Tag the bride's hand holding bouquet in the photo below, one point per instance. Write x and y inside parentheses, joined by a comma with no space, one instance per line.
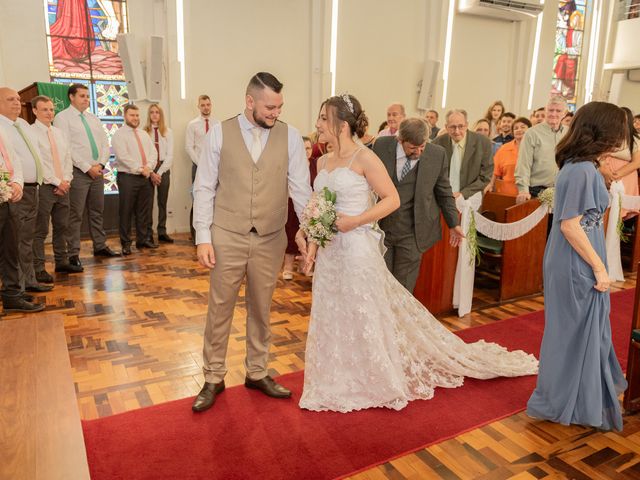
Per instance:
(318,224)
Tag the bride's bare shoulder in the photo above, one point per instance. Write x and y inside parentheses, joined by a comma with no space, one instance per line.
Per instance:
(367,158)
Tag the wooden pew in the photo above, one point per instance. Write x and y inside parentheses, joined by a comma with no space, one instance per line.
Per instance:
(520,259)
(434,287)
(39,419)
(631,399)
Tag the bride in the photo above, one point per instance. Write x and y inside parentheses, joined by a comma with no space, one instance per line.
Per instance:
(370,342)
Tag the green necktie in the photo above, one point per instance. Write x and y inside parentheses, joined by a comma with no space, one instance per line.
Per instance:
(35,155)
(92,141)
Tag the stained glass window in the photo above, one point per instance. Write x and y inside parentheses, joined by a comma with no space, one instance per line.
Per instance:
(81,39)
(568,50)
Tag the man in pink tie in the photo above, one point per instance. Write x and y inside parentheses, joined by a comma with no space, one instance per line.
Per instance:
(12,298)
(18,133)
(53,196)
(136,158)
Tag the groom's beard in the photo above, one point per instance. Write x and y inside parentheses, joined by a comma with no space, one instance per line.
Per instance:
(260,122)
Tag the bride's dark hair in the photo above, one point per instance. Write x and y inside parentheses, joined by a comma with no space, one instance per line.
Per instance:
(339,109)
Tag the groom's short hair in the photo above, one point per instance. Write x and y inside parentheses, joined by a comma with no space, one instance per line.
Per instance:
(413,130)
(262,80)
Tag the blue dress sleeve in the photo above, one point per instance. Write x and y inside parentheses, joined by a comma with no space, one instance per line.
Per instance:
(578,195)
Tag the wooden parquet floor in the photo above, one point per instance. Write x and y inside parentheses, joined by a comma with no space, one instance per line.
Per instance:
(134,330)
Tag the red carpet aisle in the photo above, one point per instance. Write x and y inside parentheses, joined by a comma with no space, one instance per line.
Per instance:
(248,435)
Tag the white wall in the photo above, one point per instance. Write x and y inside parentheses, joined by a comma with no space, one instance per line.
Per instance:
(480,70)
(381,54)
(626,52)
(23,57)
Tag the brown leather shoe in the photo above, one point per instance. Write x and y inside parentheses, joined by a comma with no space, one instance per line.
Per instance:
(207,396)
(268,386)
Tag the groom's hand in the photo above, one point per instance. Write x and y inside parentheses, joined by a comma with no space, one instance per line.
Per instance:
(206,257)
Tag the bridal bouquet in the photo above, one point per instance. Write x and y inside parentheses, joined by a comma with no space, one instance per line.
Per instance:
(319,217)
(6,192)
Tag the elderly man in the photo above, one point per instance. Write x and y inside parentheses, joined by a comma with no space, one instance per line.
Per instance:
(420,173)
(470,155)
(536,168)
(395,115)
(53,199)
(19,134)
(432,120)
(12,298)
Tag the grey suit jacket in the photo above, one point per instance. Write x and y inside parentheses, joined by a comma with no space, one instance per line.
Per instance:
(477,165)
(432,195)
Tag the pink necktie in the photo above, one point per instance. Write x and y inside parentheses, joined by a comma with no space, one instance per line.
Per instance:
(7,160)
(142,154)
(57,167)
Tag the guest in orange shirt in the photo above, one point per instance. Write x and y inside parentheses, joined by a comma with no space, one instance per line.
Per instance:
(504,161)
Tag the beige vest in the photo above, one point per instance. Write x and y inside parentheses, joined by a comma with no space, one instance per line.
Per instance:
(252,195)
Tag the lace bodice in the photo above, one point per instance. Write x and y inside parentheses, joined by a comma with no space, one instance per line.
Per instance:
(353,194)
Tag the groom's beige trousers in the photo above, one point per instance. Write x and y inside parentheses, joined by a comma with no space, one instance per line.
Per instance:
(258,258)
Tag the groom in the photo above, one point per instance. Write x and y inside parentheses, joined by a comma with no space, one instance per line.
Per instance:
(248,166)
(420,172)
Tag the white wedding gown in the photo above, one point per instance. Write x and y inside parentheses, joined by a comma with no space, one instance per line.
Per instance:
(370,342)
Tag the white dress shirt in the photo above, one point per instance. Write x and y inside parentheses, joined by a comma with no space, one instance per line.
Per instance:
(195,135)
(70,123)
(401,159)
(127,151)
(165,144)
(40,130)
(16,165)
(387,133)
(206,183)
(22,152)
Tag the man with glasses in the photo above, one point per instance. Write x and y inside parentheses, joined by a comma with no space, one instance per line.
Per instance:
(536,169)
(470,155)
(420,173)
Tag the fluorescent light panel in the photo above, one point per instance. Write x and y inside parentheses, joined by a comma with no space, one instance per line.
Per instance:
(180,42)
(447,52)
(534,60)
(334,44)
(594,44)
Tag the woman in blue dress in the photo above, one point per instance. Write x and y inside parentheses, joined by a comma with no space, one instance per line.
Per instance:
(580,377)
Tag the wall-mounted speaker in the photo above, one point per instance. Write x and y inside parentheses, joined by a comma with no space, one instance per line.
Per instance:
(132,67)
(428,84)
(155,69)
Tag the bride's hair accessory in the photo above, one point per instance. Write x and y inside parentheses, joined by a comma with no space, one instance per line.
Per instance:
(346,99)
